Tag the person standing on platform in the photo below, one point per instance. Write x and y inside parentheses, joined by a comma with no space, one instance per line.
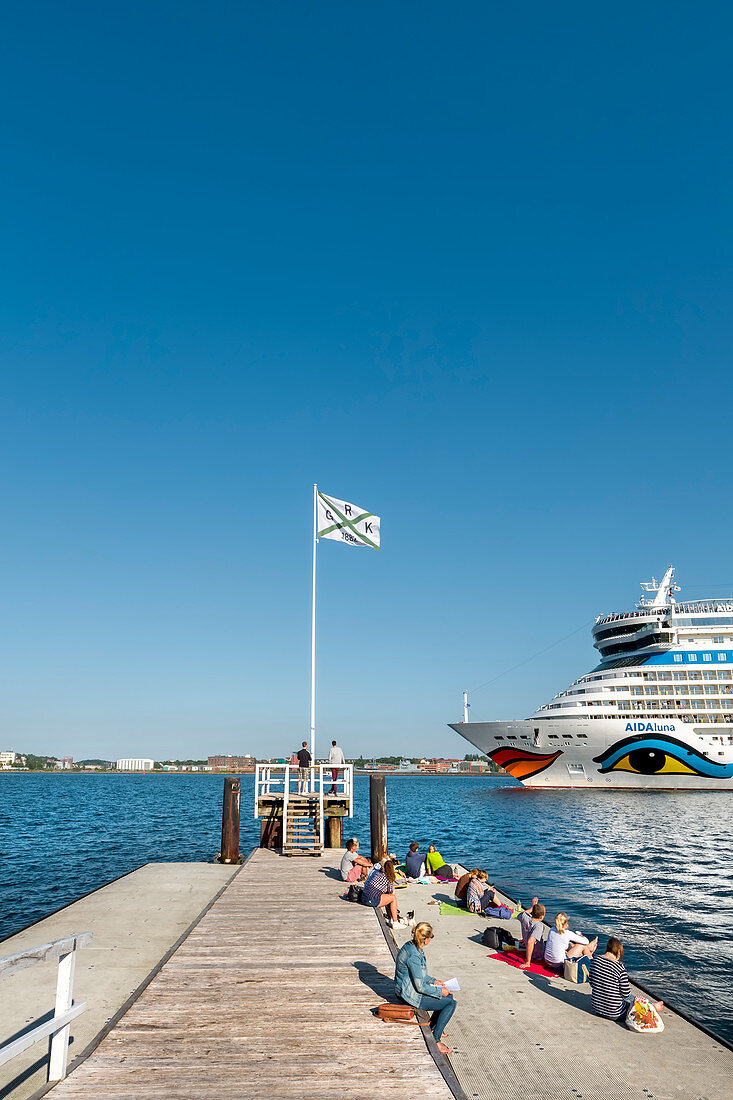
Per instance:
(335,757)
(304,763)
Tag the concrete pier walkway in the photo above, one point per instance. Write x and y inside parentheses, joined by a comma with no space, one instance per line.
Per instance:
(518,1036)
(135,921)
(269,996)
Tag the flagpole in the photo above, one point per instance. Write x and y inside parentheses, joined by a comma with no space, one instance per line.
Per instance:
(313,627)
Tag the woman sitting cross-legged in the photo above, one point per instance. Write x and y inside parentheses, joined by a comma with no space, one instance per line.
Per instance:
(563,944)
(415,987)
(379,893)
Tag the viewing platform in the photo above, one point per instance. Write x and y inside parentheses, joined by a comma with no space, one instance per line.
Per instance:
(302,822)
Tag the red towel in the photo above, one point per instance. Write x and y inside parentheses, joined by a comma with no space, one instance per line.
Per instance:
(516,958)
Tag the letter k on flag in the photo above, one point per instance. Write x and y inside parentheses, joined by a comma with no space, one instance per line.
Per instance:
(346,522)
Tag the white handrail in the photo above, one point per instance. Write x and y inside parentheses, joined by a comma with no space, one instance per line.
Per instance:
(64,1010)
(320,806)
(286,799)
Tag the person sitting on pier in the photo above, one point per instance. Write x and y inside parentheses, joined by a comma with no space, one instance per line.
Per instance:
(611,994)
(416,987)
(462,886)
(414,862)
(379,893)
(353,866)
(563,944)
(532,927)
(437,866)
(481,898)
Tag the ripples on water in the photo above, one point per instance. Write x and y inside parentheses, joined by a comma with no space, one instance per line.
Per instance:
(653,868)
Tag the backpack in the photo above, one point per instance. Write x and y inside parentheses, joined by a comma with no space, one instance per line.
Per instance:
(494,938)
(354,892)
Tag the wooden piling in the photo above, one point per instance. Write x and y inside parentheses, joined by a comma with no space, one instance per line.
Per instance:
(333,832)
(230,821)
(378,816)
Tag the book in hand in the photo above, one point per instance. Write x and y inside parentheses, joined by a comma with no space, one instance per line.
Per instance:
(452,985)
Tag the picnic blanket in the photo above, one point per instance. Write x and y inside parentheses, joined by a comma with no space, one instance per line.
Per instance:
(448,910)
(516,958)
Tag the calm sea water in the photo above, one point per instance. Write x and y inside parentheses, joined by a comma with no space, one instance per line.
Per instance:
(654,869)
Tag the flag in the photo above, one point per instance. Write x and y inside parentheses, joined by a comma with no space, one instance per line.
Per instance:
(346,522)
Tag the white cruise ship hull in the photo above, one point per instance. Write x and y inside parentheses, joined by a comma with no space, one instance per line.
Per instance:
(605,753)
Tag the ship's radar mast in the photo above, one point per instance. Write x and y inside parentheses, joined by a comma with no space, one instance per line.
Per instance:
(662,590)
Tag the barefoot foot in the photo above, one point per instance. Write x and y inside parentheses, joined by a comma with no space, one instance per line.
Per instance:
(444,1049)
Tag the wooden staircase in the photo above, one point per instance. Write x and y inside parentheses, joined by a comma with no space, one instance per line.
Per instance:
(302,831)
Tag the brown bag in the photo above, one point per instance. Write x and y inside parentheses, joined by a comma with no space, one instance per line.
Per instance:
(396,1014)
(401,1014)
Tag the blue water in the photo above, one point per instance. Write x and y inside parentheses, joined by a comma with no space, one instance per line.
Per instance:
(653,868)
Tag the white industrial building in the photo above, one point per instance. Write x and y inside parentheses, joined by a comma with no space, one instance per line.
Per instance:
(135,764)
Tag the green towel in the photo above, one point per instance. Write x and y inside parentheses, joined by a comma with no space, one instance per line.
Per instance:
(448,910)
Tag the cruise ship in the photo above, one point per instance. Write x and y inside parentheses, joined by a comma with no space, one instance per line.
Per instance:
(656,712)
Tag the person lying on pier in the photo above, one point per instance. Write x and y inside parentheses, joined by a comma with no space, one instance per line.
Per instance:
(414,862)
(353,866)
(563,944)
(416,987)
(532,931)
(437,866)
(379,893)
(611,994)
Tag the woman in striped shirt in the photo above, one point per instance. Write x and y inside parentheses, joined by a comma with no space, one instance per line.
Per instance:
(379,892)
(611,991)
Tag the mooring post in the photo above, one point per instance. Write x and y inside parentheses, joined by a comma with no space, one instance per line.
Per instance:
(230,821)
(378,816)
(333,832)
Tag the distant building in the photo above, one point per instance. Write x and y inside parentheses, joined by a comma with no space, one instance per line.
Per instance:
(475,766)
(66,763)
(135,764)
(439,767)
(232,763)
(7,759)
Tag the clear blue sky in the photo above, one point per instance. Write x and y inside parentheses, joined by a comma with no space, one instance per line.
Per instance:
(469,268)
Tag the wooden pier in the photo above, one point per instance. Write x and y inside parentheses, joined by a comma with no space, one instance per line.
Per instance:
(269,996)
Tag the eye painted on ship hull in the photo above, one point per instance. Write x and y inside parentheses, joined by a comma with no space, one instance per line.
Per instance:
(659,756)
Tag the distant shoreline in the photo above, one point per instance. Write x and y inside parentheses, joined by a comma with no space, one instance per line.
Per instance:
(234,771)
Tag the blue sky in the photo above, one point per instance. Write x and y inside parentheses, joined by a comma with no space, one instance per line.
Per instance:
(467,268)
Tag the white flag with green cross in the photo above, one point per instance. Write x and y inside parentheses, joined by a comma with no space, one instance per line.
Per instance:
(337,519)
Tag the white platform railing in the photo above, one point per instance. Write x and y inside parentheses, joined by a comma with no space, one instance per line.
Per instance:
(285,780)
(64,1011)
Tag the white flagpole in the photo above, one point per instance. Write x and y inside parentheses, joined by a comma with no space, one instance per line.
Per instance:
(313,627)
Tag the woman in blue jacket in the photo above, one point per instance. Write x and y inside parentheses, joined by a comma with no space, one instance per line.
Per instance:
(415,987)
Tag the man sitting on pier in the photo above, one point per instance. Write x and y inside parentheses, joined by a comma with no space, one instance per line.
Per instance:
(354,866)
(531,923)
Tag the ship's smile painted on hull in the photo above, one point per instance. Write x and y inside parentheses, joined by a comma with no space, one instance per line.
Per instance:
(522,764)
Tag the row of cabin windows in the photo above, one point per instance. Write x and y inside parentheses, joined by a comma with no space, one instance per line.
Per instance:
(552,736)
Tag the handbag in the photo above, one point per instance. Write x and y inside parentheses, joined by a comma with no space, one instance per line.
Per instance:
(354,892)
(403,1014)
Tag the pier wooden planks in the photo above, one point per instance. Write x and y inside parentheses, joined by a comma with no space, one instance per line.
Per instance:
(270,996)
